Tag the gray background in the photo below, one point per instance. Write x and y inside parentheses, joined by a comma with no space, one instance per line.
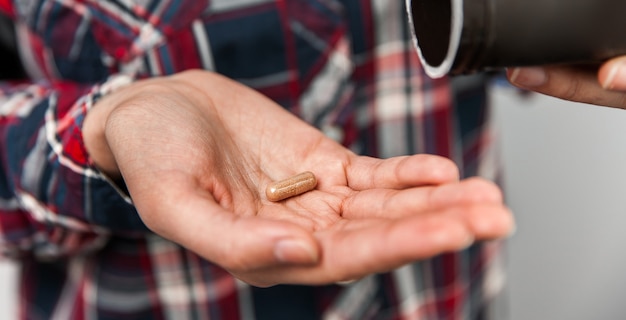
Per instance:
(565,181)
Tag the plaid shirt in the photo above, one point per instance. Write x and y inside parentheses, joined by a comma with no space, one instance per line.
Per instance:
(346,66)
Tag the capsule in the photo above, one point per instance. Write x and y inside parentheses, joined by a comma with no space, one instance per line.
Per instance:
(291,187)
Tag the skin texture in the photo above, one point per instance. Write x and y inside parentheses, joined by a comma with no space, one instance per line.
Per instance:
(196,151)
(603,86)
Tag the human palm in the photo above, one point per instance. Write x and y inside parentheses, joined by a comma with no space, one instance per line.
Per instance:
(196,152)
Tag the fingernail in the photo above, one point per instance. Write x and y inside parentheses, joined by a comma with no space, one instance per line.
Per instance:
(616,79)
(295,251)
(528,77)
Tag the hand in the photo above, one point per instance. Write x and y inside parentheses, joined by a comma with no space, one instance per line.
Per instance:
(197,150)
(605,86)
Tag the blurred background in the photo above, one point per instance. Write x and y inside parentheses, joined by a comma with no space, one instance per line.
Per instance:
(565,181)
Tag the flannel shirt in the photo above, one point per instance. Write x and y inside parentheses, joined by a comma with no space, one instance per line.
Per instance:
(346,66)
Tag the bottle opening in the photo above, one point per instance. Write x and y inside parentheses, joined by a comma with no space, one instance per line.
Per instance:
(437,26)
(432,24)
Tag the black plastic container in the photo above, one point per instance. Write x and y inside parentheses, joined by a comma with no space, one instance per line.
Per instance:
(465,36)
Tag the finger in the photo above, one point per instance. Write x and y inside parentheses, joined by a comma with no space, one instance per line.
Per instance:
(392,204)
(386,246)
(356,248)
(377,246)
(232,241)
(612,74)
(485,222)
(569,83)
(400,172)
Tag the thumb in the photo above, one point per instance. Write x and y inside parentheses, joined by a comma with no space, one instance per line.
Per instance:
(236,243)
(612,74)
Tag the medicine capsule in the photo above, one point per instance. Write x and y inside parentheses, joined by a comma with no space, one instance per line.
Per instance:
(291,187)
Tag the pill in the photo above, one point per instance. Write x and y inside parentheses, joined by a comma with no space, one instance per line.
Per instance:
(291,187)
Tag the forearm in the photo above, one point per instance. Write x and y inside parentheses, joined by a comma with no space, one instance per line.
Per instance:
(54,201)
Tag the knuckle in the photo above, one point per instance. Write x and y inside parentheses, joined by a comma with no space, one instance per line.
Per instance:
(572,91)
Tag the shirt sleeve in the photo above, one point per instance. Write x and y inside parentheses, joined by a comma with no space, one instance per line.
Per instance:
(6,8)
(53,201)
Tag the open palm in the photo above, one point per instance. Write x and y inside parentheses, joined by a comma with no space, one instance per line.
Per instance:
(196,152)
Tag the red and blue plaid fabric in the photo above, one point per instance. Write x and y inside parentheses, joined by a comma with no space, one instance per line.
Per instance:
(346,66)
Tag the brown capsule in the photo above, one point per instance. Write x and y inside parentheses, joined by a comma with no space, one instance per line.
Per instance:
(291,187)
